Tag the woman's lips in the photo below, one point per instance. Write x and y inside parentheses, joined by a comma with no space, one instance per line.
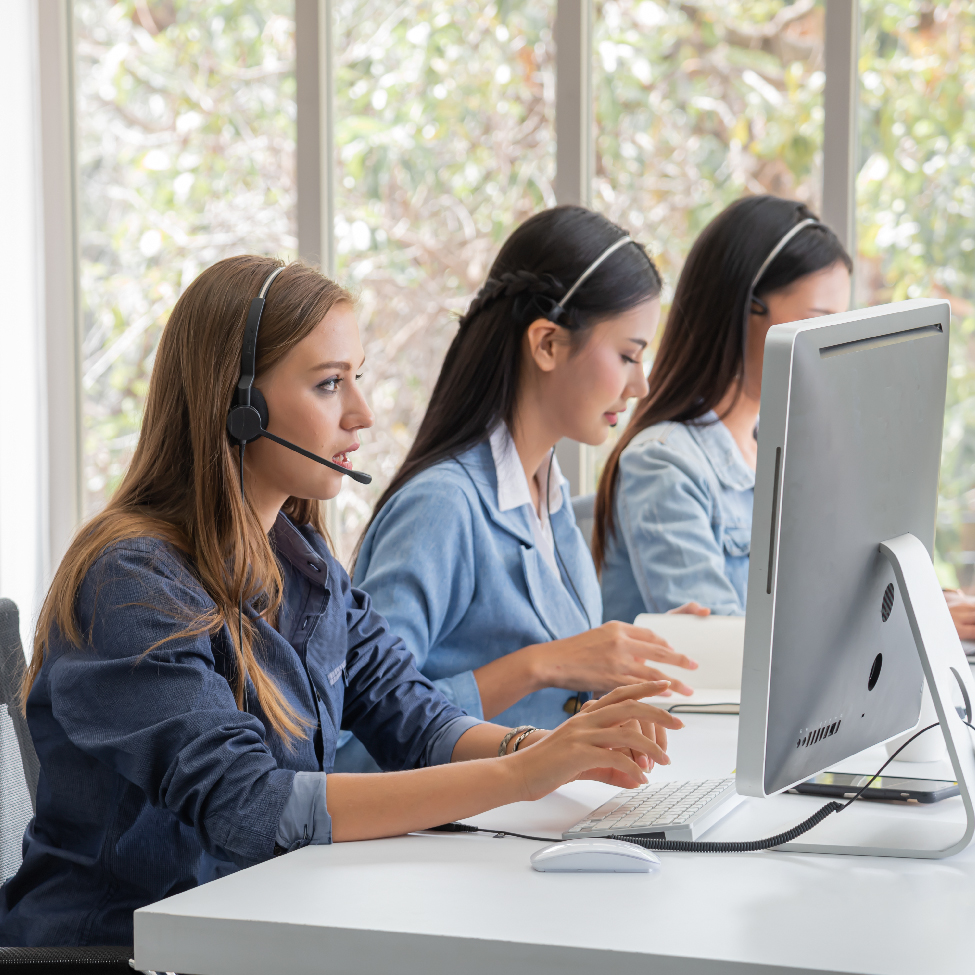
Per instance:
(342,458)
(611,418)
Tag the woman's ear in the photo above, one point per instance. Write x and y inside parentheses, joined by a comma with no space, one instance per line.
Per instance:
(542,337)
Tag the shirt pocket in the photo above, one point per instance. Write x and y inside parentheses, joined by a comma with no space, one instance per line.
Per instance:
(737,540)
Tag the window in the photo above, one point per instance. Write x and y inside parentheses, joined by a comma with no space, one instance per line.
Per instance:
(445,140)
(185,120)
(443,122)
(916,214)
(697,105)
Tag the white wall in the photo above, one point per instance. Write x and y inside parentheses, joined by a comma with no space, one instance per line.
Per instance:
(23,496)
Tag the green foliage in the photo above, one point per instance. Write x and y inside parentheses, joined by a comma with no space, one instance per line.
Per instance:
(915,209)
(698,104)
(444,135)
(445,141)
(186,140)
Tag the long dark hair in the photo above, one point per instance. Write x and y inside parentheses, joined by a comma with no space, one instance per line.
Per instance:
(701,351)
(539,262)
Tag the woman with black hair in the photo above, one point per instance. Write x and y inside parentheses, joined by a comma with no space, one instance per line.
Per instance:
(473,554)
(674,506)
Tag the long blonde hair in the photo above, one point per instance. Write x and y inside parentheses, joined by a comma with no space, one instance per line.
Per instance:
(182,485)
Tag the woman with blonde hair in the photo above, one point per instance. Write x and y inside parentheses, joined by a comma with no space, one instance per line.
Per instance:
(200,648)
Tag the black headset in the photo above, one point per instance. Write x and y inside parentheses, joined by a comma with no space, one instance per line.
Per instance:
(248,417)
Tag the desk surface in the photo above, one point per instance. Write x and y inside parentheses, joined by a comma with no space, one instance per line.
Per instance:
(453,903)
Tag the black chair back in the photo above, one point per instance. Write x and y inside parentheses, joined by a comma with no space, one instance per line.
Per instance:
(18,760)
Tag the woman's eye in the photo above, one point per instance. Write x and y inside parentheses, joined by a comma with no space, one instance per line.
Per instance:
(358,376)
(331,384)
(630,361)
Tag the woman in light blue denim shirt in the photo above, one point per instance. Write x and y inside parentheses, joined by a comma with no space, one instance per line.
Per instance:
(473,554)
(674,507)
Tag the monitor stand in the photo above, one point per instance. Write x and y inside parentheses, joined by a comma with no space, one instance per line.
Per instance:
(946,671)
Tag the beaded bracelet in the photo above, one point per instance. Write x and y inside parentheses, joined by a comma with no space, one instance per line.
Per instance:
(503,748)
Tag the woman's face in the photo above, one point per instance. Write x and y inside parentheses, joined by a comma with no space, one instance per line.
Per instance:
(825,292)
(314,401)
(589,386)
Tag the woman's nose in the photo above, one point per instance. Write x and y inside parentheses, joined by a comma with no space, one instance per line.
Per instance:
(358,416)
(639,387)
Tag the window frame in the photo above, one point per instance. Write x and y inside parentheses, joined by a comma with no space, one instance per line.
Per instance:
(314,69)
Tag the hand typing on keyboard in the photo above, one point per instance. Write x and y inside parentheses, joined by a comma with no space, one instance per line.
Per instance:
(615,739)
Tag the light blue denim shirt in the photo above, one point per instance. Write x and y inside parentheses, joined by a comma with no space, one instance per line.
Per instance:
(463,582)
(683,519)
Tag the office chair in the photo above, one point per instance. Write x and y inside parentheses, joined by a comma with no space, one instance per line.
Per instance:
(19,771)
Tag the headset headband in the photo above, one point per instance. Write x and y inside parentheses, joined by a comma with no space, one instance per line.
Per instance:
(556,312)
(248,349)
(777,249)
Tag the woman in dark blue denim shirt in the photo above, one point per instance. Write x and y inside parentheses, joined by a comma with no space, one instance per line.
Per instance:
(175,747)
(674,507)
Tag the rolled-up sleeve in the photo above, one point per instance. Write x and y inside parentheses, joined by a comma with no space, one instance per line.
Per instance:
(168,722)
(418,566)
(441,746)
(305,820)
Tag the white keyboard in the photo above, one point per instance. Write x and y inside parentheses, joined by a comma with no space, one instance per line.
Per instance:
(674,810)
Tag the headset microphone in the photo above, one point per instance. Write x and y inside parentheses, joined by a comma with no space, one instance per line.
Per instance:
(248,417)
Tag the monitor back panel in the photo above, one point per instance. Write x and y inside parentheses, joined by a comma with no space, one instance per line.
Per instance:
(849,453)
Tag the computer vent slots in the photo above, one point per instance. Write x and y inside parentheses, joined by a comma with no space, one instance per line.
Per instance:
(811,737)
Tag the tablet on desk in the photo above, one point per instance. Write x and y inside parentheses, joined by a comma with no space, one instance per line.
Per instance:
(715,642)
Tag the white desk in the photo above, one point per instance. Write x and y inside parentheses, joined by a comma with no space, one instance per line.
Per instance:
(453,903)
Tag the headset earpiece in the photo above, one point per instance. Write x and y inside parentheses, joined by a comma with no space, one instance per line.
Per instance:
(259,403)
(247,423)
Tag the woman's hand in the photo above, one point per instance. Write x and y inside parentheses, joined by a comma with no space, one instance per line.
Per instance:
(962,609)
(612,655)
(614,740)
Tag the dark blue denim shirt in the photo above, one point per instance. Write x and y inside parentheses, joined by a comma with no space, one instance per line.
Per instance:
(152,781)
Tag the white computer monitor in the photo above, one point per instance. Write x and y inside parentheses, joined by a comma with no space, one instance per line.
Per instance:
(848,458)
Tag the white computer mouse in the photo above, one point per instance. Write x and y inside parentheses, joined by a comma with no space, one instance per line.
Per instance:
(595,855)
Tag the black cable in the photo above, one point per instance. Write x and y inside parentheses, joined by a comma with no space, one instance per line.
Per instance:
(240,595)
(555,544)
(696,846)
(889,760)
(558,555)
(464,828)
(752,846)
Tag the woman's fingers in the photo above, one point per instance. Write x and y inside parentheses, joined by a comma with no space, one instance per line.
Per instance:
(606,758)
(610,776)
(628,692)
(641,758)
(651,673)
(623,711)
(690,609)
(626,738)
(650,646)
(660,736)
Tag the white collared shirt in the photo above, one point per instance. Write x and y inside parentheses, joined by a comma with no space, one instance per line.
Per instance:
(513,490)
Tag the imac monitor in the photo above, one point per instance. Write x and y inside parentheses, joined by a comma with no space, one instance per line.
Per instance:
(849,453)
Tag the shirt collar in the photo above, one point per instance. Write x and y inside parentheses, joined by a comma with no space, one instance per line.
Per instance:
(719,446)
(513,489)
(292,545)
